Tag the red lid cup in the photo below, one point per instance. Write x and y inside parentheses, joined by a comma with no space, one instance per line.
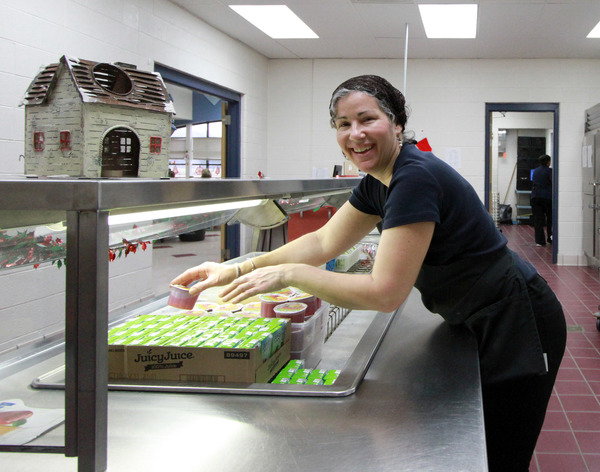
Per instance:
(295,311)
(310,300)
(180,297)
(270,301)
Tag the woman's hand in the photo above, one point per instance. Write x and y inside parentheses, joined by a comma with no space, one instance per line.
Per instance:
(265,280)
(208,274)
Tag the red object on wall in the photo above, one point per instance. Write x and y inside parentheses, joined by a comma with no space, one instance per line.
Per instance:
(424,146)
(307,221)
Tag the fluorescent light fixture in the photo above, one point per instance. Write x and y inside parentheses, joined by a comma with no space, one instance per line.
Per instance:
(174,212)
(277,21)
(595,33)
(449,21)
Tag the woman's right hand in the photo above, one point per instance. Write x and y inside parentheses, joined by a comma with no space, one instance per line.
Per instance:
(208,274)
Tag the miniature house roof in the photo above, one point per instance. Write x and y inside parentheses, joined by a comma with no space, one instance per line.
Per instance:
(98,82)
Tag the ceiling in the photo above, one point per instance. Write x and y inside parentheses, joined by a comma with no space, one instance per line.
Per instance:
(355,29)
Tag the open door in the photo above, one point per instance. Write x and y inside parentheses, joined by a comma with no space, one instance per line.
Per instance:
(120,153)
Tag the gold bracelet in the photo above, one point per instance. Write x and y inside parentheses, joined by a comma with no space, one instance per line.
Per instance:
(252,264)
(238,272)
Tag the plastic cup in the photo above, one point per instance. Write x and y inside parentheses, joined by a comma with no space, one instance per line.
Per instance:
(180,297)
(268,302)
(295,311)
(310,300)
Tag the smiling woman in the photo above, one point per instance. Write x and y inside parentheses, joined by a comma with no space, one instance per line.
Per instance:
(436,236)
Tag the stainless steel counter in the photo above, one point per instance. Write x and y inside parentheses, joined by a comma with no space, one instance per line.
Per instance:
(417,409)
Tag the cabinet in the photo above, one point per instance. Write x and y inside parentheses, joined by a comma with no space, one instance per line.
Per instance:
(84,209)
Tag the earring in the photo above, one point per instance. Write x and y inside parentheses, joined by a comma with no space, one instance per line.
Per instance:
(345,157)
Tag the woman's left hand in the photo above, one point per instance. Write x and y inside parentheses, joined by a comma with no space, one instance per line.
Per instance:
(264,280)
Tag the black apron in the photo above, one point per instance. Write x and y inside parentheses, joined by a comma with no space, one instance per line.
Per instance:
(488,295)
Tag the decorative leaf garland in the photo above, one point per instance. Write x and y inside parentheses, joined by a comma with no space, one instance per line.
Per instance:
(25,248)
(127,248)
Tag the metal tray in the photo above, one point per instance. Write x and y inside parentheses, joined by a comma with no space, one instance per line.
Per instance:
(352,341)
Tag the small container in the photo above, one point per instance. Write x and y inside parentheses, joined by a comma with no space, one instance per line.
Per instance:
(268,302)
(251,309)
(310,300)
(180,297)
(295,311)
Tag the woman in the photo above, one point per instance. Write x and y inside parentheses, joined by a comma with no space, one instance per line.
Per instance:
(436,236)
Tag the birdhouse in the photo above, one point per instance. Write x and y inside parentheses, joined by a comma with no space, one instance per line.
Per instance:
(93,119)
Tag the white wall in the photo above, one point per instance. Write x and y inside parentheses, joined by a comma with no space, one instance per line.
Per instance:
(447,99)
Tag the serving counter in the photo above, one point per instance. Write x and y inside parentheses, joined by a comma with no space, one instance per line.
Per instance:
(418,406)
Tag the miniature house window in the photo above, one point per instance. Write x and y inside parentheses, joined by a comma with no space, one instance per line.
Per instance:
(155,145)
(112,79)
(65,140)
(38,141)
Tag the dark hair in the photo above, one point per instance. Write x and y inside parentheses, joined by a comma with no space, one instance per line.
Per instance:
(389,98)
(544,159)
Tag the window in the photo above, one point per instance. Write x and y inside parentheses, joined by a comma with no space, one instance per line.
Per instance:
(125,145)
(38,141)
(65,140)
(155,145)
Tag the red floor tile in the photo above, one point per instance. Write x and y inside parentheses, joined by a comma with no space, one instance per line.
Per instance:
(557,421)
(560,463)
(589,442)
(592,461)
(562,387)
(557,442)
(584,421)
(580,403)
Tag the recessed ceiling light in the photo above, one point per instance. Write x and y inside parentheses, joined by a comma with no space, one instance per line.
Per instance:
(449,21)
(278,21)
(595,33)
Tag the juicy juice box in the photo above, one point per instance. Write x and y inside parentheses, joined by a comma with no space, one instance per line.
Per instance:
(331,376)
(277,330)
(317,374)
(300,376)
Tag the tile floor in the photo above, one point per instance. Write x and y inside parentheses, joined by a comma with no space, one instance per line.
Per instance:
(570,438)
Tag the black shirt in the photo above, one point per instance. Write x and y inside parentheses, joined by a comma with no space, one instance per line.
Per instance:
(425,188)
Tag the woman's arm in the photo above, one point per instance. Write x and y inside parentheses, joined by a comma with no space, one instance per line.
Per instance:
(399,258)
(342,231)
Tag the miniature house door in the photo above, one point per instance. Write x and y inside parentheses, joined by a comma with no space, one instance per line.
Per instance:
(120,153)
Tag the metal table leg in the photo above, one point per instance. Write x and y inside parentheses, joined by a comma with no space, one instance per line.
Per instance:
(86,355)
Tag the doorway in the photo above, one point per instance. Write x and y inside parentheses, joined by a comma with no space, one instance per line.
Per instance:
(120,153)
(494,112)
(231,156)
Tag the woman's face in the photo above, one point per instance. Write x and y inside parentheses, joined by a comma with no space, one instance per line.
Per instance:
(366,135)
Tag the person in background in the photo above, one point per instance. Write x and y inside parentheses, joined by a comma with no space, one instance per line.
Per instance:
(541,201)
(436,236)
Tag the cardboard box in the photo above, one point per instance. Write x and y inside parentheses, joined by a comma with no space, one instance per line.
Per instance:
(196,364)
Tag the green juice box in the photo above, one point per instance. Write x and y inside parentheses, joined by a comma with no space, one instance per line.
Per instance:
(281,379)
(214,341)
(231,343)
(316,374)
(300,376)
